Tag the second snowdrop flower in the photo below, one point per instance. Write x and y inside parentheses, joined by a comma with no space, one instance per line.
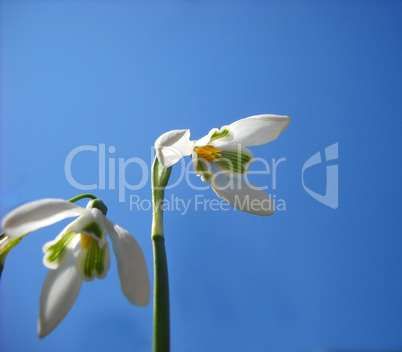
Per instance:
(79,253)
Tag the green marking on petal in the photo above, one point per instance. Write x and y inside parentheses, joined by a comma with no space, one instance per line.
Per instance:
(219,134)
(234,161)
(206,175)
(202,170)
(93,228)
(56,252)
(200,166)
(100,265)
(93,262)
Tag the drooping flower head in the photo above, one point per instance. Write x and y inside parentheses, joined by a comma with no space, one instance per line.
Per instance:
(221,156)
(79,253)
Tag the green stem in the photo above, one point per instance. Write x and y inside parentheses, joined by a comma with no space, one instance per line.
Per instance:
(161,324)
(82,196)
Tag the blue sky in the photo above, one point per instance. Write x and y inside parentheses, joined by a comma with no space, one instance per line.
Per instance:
(119,74)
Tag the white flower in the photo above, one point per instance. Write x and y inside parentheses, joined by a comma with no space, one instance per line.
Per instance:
(79,253)
(221,158)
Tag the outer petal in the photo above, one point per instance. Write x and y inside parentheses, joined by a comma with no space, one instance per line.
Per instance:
(242,195)
(59,292)
(258,129)
(172,146)
(131,265)
(37,214)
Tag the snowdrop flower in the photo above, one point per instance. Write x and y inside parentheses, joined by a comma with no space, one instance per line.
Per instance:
(79,253)
(222,159)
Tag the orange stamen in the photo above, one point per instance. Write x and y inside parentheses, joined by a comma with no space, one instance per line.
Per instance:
(208,152)
(86,241)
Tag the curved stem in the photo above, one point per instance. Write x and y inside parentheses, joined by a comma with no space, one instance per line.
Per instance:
(161,324)
(82,196)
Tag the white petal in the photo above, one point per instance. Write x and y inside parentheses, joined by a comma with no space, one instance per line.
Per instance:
(35,215)
(205,140)
(172,146)
(59,292)
(242,194)
(258,129)
(131,265)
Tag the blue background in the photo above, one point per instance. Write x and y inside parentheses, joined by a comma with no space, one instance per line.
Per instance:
(309,278)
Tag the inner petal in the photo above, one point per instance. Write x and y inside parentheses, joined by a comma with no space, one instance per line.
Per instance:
(235,158)
(234,161)
(93,260)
